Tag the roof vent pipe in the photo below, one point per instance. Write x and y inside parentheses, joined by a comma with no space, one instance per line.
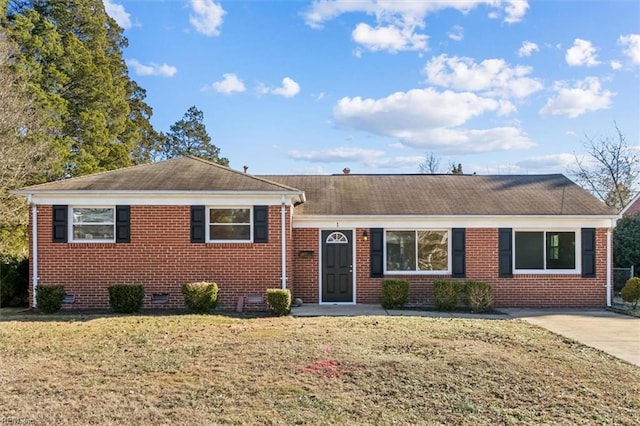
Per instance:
(346,170)
(245,168)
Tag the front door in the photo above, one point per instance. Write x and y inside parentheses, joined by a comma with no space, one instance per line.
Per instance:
(337,266)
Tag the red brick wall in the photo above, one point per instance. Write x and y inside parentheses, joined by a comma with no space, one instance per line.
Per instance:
(306,269)
(482,265)
(162,258)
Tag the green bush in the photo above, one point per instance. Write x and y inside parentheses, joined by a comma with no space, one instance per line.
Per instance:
(279,301)
(14,281)
(126,298)
(200,296)
(479,296)
(631,291)
(445,293)
(49,298)
(395,293)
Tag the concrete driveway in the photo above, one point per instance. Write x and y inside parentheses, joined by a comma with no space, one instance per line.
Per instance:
(616,334)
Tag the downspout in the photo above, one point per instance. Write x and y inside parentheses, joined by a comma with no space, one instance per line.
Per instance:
(34,255)
(609,262)
(283,238)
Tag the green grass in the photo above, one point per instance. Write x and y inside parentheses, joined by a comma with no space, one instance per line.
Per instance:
(190,369)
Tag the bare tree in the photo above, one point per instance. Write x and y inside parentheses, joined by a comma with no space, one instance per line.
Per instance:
(430,165)
(610,169)
(25,157)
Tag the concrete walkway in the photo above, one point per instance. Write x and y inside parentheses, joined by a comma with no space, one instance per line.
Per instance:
(615,334)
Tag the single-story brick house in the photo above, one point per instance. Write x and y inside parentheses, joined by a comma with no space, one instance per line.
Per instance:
(540,240)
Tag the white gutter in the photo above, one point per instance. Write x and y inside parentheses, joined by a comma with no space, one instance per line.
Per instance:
(283,238)
(34,255)
(609,262)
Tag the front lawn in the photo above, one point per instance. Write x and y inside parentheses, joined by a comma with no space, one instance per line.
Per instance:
(189,369)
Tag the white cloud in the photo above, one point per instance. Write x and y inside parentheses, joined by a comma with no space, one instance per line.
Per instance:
(118,13)
(582,53)
(515,9)
(615,65)
(372,158)
(206,17)
(426,118)
(527,48)
(229,84)
(456,33)
(152,69)
(631,43)
(585,96)
(552,163)
(390,38)
(396,22)
(289,88)
(494,77)
(340,154)
(322,11)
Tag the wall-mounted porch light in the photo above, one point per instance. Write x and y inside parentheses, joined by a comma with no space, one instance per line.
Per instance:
(365,235)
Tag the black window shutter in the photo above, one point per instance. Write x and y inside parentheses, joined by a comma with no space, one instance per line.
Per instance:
(60,224)
(123,224)
(458,252)
(588,252)
(260,224)
(198,224)
(505,253)
(377,252)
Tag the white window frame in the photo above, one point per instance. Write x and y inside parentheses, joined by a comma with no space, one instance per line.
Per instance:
(71,224)
(418,272)
(578,254)
(208,223)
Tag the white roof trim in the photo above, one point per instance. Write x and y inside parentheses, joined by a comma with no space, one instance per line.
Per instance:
(219,198)
(461,221)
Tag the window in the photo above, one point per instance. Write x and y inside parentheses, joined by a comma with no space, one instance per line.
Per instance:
(95,224)
(545,250)
(419,251)
(230,224)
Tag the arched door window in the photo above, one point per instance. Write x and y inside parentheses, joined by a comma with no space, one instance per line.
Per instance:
(337,238)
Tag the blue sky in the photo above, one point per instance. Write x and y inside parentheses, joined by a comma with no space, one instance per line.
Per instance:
(502,87)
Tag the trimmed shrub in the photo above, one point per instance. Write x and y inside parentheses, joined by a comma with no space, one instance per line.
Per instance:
(395,293)
(14,281)
(126,298)
(49,298)
(631,292)
(201,296)
(279,301)
(445,293)
(479,296)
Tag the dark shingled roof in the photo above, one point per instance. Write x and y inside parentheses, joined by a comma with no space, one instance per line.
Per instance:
(429,195)
(443,195)
(179,174)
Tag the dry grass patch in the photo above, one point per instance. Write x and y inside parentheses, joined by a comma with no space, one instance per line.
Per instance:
(376,370)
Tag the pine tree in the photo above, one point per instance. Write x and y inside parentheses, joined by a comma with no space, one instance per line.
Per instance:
(189,137)
(70,51)
(24,152)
